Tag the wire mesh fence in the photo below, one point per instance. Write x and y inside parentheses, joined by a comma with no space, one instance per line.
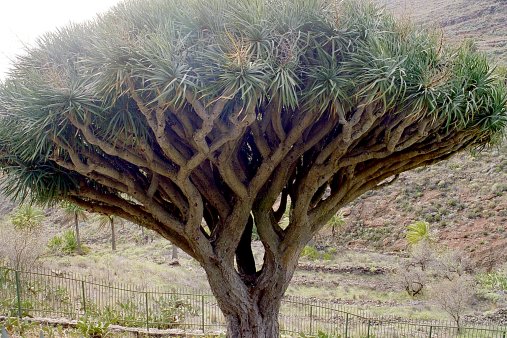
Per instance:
(47,294)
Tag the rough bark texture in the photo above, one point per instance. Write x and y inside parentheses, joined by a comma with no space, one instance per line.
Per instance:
(246,315)
(254,323)
(251,307)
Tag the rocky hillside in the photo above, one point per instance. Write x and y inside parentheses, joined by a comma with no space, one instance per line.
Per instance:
(482,21)
(464,199)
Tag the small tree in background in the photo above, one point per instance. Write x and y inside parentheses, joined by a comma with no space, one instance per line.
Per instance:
(455,296)
(111,221)
(74,213)
(337,221)
(27,217)
(421,246)
(168,112)
(452,264)
(22,245)
(417,232)
(432,264)
(422,255)
(174,252)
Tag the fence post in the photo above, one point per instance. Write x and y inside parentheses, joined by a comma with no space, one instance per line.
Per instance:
(346,325)
(147,312)
(202,314)
(83,296)
(311,318)
(368,332)
(431,330)
(18,293)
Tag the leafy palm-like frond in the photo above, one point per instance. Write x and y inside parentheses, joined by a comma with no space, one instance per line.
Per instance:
(73,211)
(417,232)
(27,217)
(23,179)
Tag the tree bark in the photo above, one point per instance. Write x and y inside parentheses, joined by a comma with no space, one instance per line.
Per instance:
(249,313)
(251,303)
(79,249)
(255,323)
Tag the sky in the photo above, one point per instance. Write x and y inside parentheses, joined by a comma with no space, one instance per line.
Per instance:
(22,21)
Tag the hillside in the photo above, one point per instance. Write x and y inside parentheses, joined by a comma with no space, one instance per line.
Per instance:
(464,199)
(482,21)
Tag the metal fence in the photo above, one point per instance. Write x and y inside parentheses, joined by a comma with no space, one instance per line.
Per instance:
(47,294)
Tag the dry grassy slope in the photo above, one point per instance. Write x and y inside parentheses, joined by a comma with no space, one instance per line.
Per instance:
(483,21)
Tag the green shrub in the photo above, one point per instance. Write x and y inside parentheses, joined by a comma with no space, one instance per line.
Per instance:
(496,281)
(326,256)
(92,328)
(69,242)
(329,254)
(170,312)
(501,72)
(27,217)
(124,314)
(65,244)
(16,325)
(55,244)
(310,252)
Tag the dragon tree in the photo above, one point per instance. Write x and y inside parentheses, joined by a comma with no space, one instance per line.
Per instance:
(202,119)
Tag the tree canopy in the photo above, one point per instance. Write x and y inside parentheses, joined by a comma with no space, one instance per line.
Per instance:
(169,112)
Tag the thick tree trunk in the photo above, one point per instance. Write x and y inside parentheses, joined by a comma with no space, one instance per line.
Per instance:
(249,297)
(256,323)
(251,303)
(249,314)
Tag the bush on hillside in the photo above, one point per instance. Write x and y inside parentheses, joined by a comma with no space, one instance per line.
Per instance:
(65,244)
